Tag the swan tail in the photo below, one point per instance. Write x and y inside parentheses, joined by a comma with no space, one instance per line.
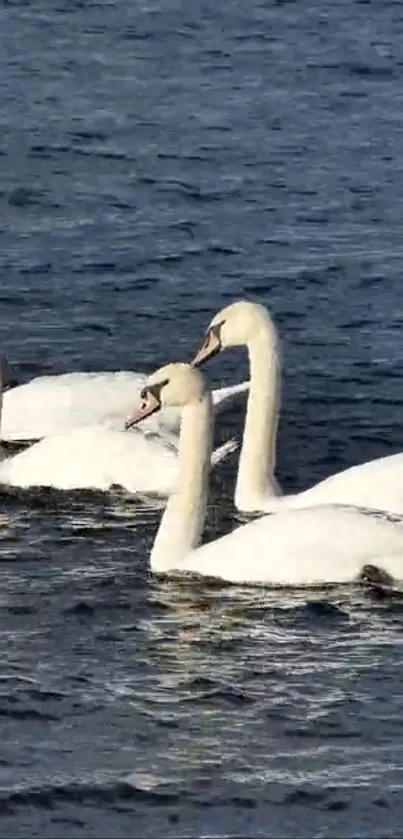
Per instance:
(225,397)
(222,452)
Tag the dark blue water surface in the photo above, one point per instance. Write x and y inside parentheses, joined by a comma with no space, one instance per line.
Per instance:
(159,159)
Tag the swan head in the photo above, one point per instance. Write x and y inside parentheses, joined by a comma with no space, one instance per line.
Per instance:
(174,385)
(234,326)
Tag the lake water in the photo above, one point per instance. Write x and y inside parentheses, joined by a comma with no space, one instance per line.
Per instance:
(159,160)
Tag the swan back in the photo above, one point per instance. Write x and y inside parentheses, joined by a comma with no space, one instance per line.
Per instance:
(310,546)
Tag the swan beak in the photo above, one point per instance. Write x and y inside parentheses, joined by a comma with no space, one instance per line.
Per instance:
(210,347)
(150,405)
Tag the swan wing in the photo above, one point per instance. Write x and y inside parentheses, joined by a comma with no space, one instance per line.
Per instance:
(224,398)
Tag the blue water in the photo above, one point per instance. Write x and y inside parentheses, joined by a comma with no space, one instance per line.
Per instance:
(158,160)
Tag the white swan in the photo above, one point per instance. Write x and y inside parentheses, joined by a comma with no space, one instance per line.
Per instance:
(50,405)
(299,547)
(96,457)
(377,484)
(4,372)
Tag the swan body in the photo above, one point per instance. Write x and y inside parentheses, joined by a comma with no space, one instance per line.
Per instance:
(97,456)
(4,375)
(296,547)
(310,546)
(49,405)
(377,484)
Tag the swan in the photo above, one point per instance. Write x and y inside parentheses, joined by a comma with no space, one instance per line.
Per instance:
(377,484)
(4,378)
(49,405)
(294,547)
(97,457)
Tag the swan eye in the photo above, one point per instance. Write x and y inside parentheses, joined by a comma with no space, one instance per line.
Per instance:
(144,393)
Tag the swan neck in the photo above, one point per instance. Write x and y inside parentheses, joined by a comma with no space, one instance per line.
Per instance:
(182,523)
(255,480)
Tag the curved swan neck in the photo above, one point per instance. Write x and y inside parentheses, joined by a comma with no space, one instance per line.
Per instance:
(182,524)
(255,480)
